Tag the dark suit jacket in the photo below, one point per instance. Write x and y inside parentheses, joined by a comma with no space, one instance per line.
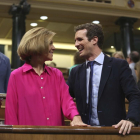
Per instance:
(116,83)
(5,70)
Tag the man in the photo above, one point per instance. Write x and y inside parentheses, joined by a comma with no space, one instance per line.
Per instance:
(112,81)
(132,59)
(5,70)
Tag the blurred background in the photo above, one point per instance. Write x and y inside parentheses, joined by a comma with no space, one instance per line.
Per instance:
(61,16)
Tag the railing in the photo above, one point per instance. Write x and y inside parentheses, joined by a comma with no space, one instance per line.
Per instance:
(62,130)
(64,133)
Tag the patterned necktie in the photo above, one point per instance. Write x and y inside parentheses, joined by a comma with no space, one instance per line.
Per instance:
(90,89)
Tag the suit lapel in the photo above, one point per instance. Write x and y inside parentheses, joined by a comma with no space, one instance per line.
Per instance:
(107,66)
(82,80)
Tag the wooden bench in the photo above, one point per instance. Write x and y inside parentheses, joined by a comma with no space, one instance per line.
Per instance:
(2,107)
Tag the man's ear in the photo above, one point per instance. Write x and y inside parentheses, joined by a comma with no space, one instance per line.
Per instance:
(95,40)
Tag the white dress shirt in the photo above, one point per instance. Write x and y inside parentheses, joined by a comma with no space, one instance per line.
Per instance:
(97,70)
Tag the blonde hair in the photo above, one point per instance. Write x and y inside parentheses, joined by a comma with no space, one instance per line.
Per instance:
(119,53)
(34,41)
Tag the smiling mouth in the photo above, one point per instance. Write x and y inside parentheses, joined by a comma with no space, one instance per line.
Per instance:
(50,52)
(80,50)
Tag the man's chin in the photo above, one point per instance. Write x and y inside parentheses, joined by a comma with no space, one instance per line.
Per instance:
(81,55)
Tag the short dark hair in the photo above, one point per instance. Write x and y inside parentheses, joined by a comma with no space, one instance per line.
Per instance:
(134,56)
(92,31)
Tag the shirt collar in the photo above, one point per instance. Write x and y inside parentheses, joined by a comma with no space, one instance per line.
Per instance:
(28,67)
(99,59)
(132,65)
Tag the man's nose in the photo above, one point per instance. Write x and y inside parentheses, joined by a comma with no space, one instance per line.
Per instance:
(76,44)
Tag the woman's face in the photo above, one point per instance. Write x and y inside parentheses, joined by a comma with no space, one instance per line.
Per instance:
(118,56)
(49,56)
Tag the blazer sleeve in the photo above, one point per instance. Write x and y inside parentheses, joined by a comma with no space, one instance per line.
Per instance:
(8,72)
(131,92)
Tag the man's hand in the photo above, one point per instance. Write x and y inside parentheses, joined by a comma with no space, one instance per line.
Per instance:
(77,121)
(125,126)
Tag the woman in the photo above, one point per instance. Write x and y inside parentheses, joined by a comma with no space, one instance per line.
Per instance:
(37,94)
(118,54)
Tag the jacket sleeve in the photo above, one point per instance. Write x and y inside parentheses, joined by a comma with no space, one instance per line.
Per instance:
(11,110)
(8,72)
(131,92)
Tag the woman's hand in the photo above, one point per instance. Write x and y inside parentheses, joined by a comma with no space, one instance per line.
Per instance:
(77,121)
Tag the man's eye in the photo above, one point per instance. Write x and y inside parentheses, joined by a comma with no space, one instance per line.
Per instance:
(79,39)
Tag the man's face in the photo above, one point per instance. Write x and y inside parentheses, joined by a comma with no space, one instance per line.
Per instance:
(128,60)
(84,46)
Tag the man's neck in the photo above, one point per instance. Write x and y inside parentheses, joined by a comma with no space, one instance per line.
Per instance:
(94,55)
(131,62)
